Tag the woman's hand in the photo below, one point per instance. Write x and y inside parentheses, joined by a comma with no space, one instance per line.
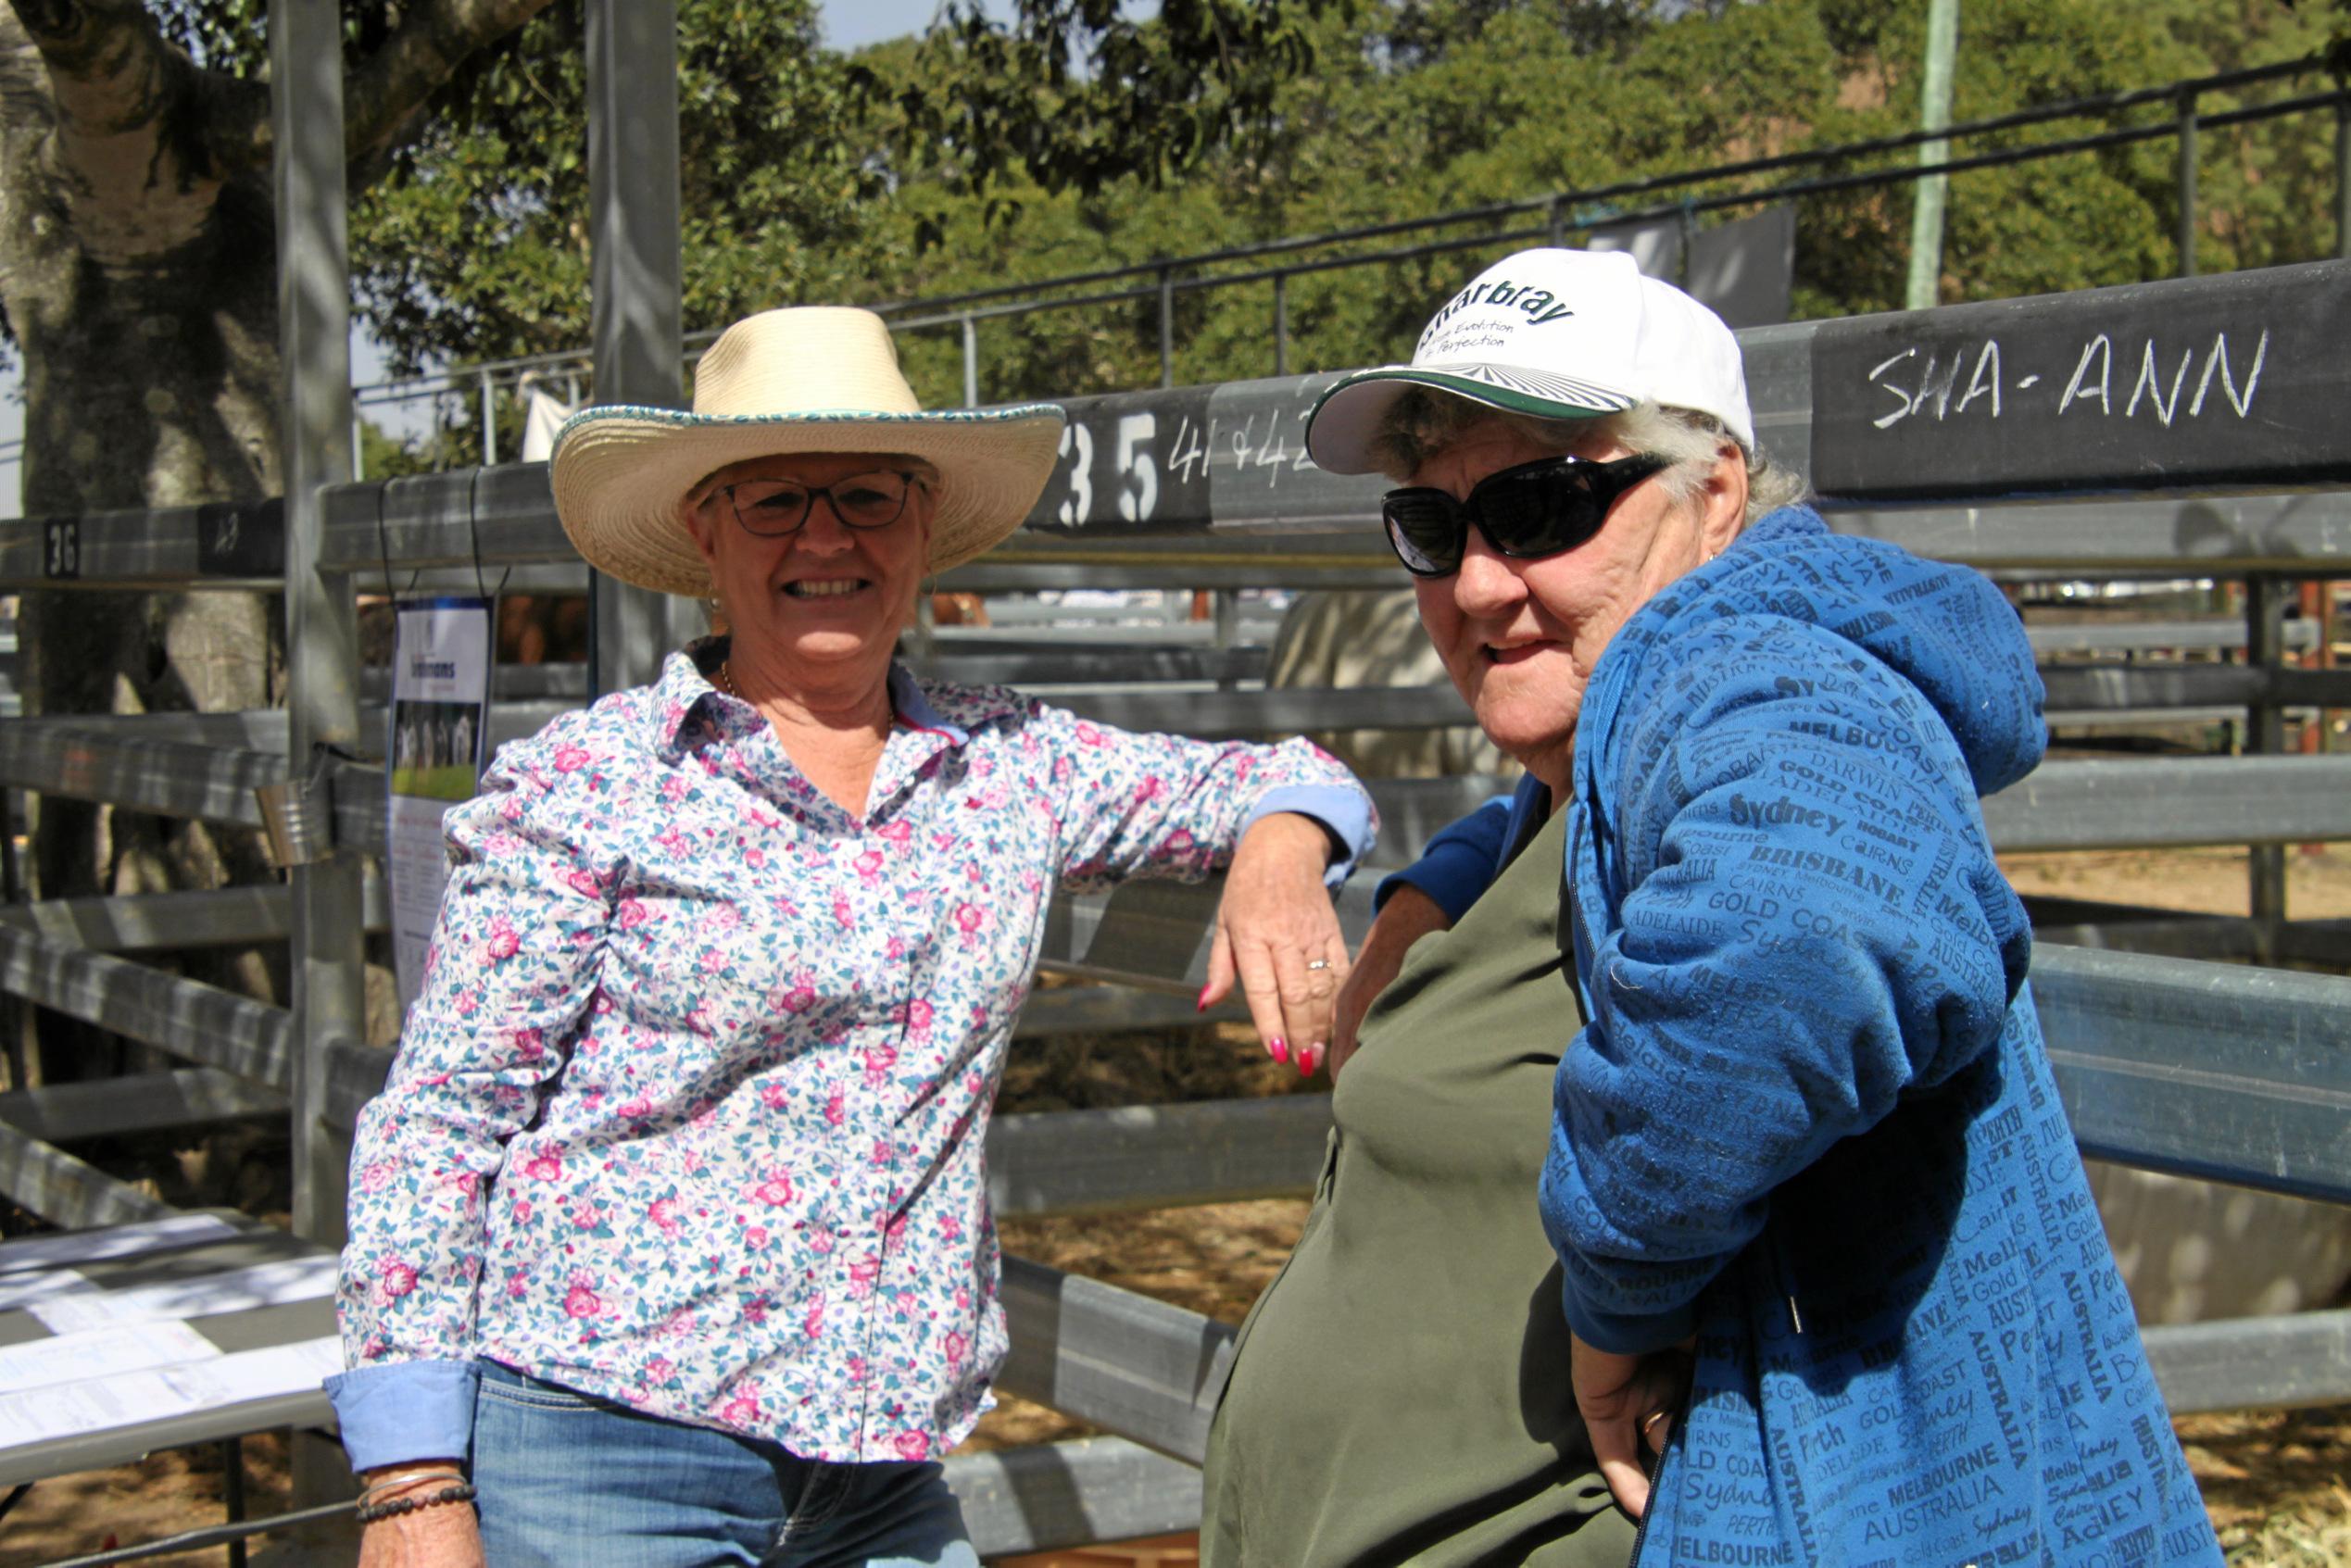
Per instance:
(446,1536)
(1408,916)
(1629,1405)
(1277,930)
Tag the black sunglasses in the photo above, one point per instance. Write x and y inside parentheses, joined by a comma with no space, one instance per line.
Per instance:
(1529,510)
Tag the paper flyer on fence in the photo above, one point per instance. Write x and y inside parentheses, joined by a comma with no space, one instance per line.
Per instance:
(440,708)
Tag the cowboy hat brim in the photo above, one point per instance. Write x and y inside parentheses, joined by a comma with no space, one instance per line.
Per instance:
(620,470)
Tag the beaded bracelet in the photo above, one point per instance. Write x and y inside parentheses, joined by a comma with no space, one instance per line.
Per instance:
(401,1481)
(370,1513)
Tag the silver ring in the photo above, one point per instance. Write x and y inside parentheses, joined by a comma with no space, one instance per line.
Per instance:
(1652,1419)
(1317,963)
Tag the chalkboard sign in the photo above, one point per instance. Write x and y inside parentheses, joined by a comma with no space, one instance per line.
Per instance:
(1180,462)
(241,539)
(2236,379)
(1134,462)
(61,548)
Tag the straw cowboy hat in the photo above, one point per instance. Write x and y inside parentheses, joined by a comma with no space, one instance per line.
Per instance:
(813,379)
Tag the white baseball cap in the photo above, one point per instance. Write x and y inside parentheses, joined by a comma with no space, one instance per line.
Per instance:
(1561,334)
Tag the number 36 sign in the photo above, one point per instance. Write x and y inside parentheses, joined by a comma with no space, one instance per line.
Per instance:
(1137,461)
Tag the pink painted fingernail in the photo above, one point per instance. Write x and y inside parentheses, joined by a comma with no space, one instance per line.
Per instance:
(1200,1003)
(1280,1049)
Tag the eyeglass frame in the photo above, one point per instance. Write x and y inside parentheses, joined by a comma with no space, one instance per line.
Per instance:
(1614,479)
(915,480)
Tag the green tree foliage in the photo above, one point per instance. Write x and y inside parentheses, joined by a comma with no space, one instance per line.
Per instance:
(1072,138)
(1417,107)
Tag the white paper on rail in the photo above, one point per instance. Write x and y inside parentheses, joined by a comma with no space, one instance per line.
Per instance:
(101,1404)
(22,1291)
(71,1358)
(119,1241)
(262,1284)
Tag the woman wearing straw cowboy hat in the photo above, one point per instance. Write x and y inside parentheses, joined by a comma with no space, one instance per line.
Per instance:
(671,1216)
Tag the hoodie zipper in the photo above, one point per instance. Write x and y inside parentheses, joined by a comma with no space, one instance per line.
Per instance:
(1787,1288)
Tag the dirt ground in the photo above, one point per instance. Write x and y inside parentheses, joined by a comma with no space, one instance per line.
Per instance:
(2276,1483)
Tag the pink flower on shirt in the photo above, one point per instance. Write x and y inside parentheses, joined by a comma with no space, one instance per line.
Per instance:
(911,1446)
(582,1302)
(570,759)
(544,1166)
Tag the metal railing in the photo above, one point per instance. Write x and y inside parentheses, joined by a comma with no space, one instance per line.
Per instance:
(1682,197)
(2224,1072)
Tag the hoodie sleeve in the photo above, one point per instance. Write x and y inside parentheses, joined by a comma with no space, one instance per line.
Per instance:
(1459,862)
(1808,924)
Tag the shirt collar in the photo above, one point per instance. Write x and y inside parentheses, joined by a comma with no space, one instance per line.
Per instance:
(680,694)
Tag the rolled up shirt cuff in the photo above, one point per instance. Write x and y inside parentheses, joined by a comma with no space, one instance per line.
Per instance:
(400,1412)
(1345,813)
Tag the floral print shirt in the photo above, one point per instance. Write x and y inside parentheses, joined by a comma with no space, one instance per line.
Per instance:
(689,1113)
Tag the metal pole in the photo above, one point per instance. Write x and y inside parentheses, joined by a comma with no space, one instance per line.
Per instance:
(322,629)
(2265,606)
(2187,185)
(970,362)
(1281,323)
(1932,191)
(1167,328)
(232,1493)
(2343,171)
(1555,222)
(489,422)
(638,310)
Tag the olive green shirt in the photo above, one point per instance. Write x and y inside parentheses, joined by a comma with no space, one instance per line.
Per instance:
(1401,1394)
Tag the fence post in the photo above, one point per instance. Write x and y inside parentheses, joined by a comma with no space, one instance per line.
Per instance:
(2265,606)
(1933,190)
(2342,168)
(489,422)
(970,362)
(1555,222)
(2187,185)
(1167,328)
(322,628)
(1281,323)
(640,348)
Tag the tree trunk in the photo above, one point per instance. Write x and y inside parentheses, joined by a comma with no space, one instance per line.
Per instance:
(151,380)
(138,270)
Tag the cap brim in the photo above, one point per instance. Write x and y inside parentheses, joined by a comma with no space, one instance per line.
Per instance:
(619,472)
(1340,429)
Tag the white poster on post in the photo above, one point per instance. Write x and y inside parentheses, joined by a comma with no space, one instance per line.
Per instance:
(441,656)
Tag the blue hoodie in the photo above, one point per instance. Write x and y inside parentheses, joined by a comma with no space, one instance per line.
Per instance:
(1811,1120)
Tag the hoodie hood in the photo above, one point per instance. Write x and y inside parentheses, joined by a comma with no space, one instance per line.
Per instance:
(1944,628)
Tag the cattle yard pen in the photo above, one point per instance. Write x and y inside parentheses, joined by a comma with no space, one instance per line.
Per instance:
(2204,440)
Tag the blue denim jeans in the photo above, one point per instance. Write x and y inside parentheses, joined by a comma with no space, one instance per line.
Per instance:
(566,1481)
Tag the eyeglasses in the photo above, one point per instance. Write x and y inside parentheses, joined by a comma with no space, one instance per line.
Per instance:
(772,508)
(1529,510)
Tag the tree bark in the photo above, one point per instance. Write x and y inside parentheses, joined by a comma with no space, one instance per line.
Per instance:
(136,246)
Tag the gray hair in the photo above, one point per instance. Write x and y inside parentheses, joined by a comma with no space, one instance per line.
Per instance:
(1422,424)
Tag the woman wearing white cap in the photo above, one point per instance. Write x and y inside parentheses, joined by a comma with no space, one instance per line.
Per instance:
(669,1237)
(1701,1148)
